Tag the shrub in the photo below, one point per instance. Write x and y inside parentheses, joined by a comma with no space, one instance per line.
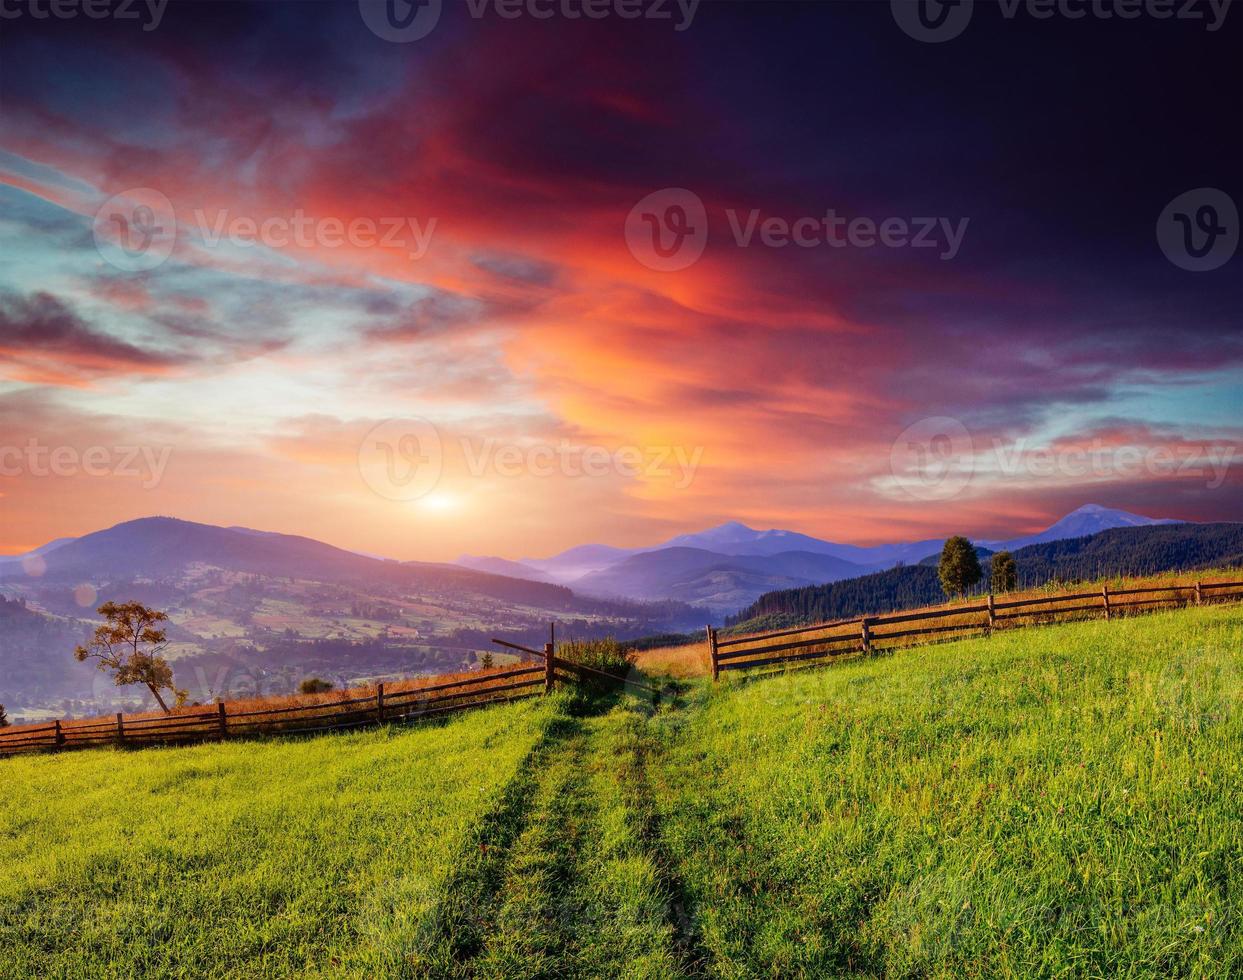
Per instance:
(315,685)
(606,654)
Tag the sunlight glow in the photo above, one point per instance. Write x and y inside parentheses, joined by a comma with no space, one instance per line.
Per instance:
(439,502)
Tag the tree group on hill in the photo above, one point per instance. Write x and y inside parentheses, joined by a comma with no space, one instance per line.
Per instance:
(959,568)
(1004,576)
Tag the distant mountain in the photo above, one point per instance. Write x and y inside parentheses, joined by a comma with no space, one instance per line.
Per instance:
(642,573)
(738,539)
(41,550)
(1088,519)
(249,607)
(160,546)
(578,561)
(502,566)
(706,578)
(1139,550)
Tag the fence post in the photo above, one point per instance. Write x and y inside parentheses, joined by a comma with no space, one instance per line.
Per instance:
(713,655)
(1105,600)
(120,727)
(60,735)
(992,613)
(223,721)
(379,702)
(1199,595)
(550,661)
(865,634)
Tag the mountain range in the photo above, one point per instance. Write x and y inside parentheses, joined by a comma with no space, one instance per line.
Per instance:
(266,609)
(729,566)
(254,610)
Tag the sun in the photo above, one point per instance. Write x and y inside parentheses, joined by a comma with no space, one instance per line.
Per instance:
(439,502)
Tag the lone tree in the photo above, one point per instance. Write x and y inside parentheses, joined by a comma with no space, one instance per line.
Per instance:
(4,718)
(315,685)
(1005,572)
(128,643)
(960,566)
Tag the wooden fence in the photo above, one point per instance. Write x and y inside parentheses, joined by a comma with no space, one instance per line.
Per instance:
(871,633)
(217,722)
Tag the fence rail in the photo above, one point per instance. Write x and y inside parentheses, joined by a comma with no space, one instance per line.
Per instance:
(854,636)
(817,642)
(218,722)
(408,704)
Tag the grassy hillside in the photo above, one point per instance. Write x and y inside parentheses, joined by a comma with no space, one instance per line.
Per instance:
(302,857)
(1058,801)
(1055,801)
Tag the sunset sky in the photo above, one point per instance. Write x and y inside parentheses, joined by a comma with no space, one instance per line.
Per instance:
(573,393)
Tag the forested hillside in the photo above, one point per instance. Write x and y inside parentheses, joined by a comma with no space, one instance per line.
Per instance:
(1122,551)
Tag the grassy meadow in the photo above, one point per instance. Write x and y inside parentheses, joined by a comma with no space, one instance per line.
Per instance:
(1062,801)
(1059,801)
(305,857)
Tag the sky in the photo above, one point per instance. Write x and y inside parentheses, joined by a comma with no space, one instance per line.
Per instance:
(510,278)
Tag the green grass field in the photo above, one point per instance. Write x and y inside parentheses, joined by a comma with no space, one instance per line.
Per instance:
(1063,801)
(1060,801)
(284,858)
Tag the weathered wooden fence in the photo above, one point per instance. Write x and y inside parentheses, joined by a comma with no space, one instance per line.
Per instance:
(870,633)
(217,722)
(806,643)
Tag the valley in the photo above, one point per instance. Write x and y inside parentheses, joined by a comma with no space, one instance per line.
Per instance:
(254,613)
(254,616)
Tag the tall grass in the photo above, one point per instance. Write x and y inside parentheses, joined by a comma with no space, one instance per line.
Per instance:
(605,656)
(1053,802)
(296,858)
